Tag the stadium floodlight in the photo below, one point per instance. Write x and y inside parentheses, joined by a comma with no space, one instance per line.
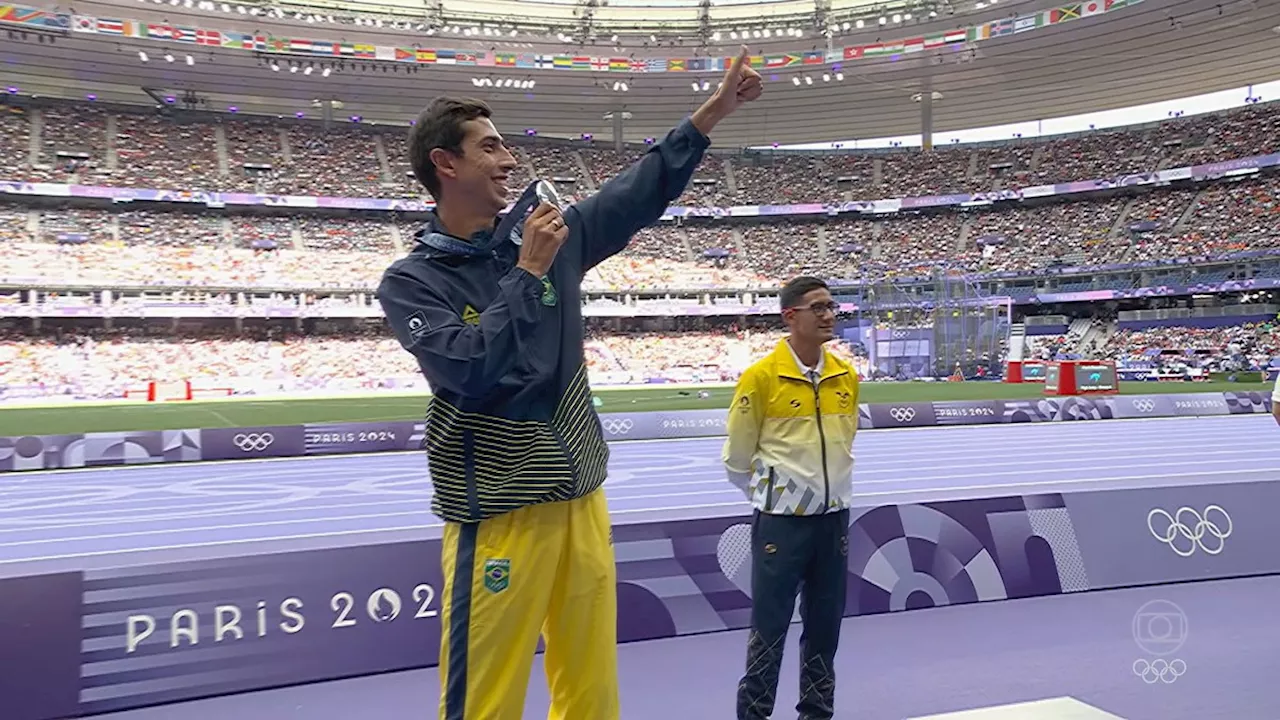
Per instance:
(308,70)
(191,60)
(795,81)
(325,72)
(859,24)
(142,56)
(168,57)
(897,18)
(826,77)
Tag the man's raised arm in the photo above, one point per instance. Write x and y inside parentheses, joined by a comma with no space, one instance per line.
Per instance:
(637,197)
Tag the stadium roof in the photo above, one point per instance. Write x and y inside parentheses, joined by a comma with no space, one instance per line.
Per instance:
(1145,52)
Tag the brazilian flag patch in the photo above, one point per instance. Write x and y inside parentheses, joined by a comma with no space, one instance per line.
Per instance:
(497,574)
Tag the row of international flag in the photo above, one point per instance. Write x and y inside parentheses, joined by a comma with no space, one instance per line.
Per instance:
(328,49)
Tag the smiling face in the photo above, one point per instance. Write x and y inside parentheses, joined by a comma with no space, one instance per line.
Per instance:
(813,318)
(460,158)
(479,171)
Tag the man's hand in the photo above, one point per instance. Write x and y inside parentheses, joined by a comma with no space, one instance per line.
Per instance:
(544,233)
(741,85)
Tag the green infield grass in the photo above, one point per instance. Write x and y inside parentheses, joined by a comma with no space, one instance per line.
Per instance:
(238,412)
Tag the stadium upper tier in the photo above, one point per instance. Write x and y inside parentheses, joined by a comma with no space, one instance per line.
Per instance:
(115,248)
(90,145)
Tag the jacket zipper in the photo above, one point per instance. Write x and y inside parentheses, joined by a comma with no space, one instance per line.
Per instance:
(564,449)
(768,498)
(822,440)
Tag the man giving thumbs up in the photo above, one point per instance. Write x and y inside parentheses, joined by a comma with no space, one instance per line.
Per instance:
(516,452)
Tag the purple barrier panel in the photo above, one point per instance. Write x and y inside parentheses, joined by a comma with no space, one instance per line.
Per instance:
(1194,404)
(1244,403)
(274,619)
(966,412)
(44,452)
(185,630)
(691,423)
(35,452)
(360,437)
(1140,406)
(915,414)
(629,426)
(1049,409)
(252,442)
(903,557)
(1176,533)
(40,646)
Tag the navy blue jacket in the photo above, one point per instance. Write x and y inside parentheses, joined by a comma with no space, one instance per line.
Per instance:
(511,422)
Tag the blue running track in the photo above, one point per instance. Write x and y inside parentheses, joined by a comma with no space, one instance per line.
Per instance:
(85,519)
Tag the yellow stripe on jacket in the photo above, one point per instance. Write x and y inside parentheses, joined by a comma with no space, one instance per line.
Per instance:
(790,444)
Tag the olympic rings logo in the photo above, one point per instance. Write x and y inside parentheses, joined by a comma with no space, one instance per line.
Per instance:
(1144,404)
(614,426)
(1184,537)
(253,442)
(899,334)
(1159,670)
(902,414)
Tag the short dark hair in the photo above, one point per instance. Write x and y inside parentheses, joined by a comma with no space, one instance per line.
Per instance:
(796,288)
(440,126)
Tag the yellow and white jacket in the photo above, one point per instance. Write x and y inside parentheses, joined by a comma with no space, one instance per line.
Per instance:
(790,446)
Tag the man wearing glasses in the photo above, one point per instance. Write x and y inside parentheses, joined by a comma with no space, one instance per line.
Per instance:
(790,449)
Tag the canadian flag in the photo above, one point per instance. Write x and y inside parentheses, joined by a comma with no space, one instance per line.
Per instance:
(1092,7)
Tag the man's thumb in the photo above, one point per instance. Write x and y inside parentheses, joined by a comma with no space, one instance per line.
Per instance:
(735,70)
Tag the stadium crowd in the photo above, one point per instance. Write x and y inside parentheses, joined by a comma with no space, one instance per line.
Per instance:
(1250,346)
(208,247)
(349,252)
(107,363)
(79,144)
(178,151)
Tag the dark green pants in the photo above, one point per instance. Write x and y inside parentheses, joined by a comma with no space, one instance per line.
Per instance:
(790,554)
